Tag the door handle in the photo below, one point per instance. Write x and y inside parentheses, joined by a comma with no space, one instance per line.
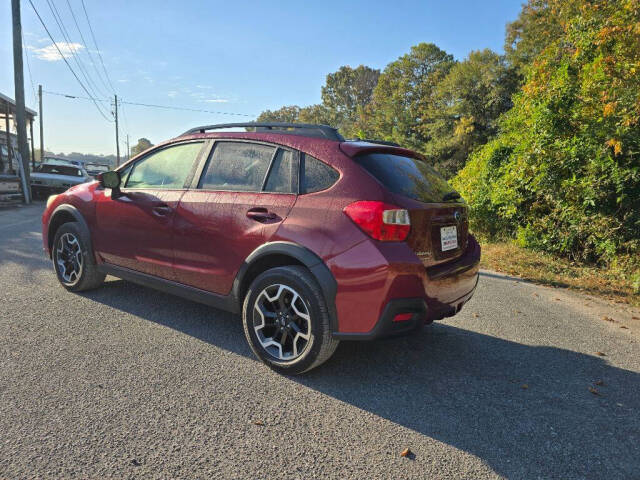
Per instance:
(162,210)
(260,214)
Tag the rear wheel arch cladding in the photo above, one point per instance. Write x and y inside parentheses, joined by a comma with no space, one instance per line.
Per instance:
(301,256)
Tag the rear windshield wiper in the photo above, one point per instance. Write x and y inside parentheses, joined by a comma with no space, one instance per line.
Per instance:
(453,195)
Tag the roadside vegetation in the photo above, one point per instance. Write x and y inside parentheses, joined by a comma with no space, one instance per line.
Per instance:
(615,282)
(543,142)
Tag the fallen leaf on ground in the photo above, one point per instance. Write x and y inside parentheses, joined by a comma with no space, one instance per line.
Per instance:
(594,391)
(600,354)
(607,319)
(535,294)
(622,326)
(635,318)
(476,315)
(524,386)
(258,422)
(557,299)
(405,453)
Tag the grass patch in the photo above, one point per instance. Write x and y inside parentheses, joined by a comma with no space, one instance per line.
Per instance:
(620,282)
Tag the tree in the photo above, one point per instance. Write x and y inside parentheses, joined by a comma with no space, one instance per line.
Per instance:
(537,25)
(564,174)
(404,96)
(467,105)
(141,146)
(317,114)
(286,114)
(345,93)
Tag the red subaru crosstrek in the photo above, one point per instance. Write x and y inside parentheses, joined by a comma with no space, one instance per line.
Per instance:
(313,239)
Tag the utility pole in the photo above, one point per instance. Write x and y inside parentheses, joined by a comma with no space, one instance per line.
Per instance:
(128,150)
(41,128)
(33,152)
(117,141)
(21,120)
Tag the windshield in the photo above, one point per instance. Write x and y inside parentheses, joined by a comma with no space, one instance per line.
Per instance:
(59,170)
(407,176)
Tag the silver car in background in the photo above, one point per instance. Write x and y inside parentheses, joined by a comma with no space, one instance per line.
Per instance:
(49,178)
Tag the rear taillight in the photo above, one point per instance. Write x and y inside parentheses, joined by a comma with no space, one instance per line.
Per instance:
(381,221)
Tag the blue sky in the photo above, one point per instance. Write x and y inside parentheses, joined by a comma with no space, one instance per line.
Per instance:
(238,57)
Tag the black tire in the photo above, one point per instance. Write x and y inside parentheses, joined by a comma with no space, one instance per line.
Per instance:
(88,276)
(320,345)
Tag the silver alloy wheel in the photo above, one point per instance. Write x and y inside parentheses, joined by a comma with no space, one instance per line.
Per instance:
(69,258)
(282,322)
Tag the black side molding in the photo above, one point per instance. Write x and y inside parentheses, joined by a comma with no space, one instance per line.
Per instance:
(223,302)
(386,327)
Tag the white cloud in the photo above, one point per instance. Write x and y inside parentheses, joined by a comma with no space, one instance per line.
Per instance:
(217,100)
(172,94)
(122,80)
(51,54)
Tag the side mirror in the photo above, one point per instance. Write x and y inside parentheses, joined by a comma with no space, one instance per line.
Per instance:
(110,179)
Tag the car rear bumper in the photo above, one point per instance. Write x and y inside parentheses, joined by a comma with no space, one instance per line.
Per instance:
(427,294)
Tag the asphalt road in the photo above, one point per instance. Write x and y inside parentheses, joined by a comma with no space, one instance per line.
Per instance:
(126,382)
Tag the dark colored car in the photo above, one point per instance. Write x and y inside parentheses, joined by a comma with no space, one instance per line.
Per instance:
(313,239)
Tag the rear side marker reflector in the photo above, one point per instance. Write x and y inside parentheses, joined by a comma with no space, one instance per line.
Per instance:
(402,317)
(379,220)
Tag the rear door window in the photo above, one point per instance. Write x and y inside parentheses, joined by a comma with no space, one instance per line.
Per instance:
(237,167)
(316,175)
(167,168)
(283,176)
(406,176)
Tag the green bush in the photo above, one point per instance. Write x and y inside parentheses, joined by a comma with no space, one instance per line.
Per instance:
(563,175)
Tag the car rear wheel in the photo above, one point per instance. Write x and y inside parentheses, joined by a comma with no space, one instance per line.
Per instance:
(75,268)
(286,320)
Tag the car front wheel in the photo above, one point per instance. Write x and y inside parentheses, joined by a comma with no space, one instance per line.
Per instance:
(286,320)
(75,268)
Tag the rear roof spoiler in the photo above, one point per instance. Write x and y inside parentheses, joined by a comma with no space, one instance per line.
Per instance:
(355,148)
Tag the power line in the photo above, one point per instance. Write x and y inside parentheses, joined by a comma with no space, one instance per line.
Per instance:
(74,96)
(87,49)
(186,109)
(26,54)
(124,116)
(151,105)
(95,43)
(67,63)
(65,34)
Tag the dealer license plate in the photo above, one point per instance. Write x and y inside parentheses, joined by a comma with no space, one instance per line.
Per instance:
(449,238)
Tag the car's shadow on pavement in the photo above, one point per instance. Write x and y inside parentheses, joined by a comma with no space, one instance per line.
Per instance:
(527,411)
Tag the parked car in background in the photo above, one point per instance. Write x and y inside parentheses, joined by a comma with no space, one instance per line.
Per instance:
(49,178)
(62,161)
(94,169)
(312,238)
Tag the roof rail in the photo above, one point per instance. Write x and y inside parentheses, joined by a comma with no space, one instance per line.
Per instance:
(302,129)
(372,140)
